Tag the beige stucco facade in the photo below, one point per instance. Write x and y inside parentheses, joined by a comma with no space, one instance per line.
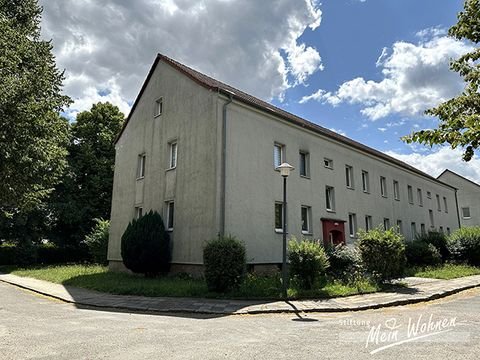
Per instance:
(192,116)
(468,197)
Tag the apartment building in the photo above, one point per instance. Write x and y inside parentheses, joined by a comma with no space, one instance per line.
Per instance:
(204,155)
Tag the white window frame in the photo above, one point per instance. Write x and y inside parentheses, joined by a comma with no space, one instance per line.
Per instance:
(432,219)
(308,209)
(400,226)
(328,163)
(172,154)
(305,155)
(158,109)
(368,222)
(365,182)
(383,186)
(413,230)
(138,212)
(352,224)
(280,204)
(386,223)
(419,197)
(281,147)
(330,198)
(170,217)
(469,216)
(423,229)
(439,204)
(349,177)
(396,190)
(445,204)
(410,194)
(141,164)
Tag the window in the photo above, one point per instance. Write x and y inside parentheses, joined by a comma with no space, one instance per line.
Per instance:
(429,195)
(172,163)
(386,223)
(400,226)
(141,166)
(430,215)
(441,229)
(304,164)
(445,204)
(138,212)
(330,198)
(439,206)
(278,216)
(383,186)
(368,222)
(419,197)
(170,215)
(365,182)
(158,107)
(422,229)
(413,230)
(448,231)
(278,155)
(352,224)
(466,212)
(328,163)
(306,216)
(349,176)
(396,190)
(410,194)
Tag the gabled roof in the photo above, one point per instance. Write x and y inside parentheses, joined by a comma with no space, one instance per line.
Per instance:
(220,87)
(458,175)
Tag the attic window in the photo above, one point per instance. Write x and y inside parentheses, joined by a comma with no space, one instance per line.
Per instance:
(158,107)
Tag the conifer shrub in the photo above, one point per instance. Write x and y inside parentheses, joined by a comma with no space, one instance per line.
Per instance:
(383,253)
(145,245)
(225,263)
(308,261)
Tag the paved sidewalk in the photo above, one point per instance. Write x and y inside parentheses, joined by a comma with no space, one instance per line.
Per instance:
(418,290)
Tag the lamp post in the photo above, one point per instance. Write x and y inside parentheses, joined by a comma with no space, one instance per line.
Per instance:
(285,169)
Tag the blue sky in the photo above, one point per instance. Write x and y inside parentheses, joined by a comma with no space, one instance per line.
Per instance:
(367,69)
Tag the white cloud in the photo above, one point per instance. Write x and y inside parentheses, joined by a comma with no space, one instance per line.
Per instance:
(382,129)
(250,44)
(415,78)
(443,158)
(338,131)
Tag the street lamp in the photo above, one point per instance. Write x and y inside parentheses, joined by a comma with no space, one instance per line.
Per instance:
(285,169)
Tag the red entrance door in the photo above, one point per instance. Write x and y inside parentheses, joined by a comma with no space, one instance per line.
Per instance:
(333,231)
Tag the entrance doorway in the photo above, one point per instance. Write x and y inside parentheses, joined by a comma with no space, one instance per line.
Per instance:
(333,232)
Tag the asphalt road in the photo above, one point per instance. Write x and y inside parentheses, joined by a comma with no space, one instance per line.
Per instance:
(37,327)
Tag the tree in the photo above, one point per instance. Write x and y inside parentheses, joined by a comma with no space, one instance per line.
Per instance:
(33,136)
(460,116)
(86,190)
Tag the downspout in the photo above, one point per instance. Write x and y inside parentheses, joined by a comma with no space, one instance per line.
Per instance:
(224,163)
(458,211)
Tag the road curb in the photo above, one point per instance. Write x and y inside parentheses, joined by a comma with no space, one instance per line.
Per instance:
(292,309)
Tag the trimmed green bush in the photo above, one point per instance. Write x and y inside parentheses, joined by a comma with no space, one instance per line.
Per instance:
(308,261)
(145,246)
(464,245)
(437,239)
(345,263)
(7,254)
(382,252)
(97,241)
(420,253)
(225,263)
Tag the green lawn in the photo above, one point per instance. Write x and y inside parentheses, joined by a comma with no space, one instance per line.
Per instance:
(255,287)
(446,271)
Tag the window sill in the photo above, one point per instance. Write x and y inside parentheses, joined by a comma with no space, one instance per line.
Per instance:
(385,196)
(279,231)
(305,177)
(157,115)
(350,188)
(170,169)
(170,230)
(330,211)
(397,199)
(366,192)
(309,233)
(328,167)
(140,178)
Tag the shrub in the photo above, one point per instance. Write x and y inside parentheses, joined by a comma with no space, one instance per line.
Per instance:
(464,244)
(25,253)
(97,241)
(437,239)
(308,261)
(345,263)
(225,262)
(421,253)
(382,252)
(7,254)
(145,245)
